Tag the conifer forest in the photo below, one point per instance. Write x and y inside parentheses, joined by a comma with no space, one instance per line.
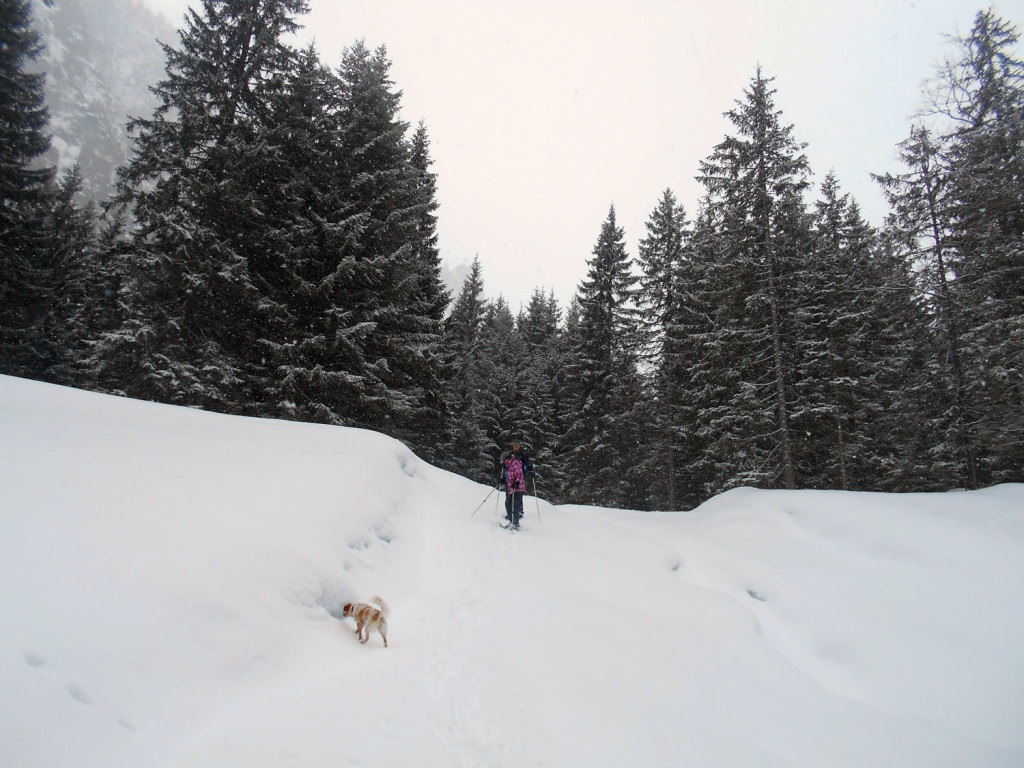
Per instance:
(270,249)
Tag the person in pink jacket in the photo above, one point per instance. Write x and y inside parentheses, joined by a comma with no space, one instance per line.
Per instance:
(516,467)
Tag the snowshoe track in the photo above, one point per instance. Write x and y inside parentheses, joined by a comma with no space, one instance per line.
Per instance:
(468,733)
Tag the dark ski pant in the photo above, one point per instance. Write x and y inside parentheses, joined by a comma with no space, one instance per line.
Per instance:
(514,507)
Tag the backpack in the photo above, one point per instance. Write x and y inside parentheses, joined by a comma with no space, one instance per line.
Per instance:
(515,478)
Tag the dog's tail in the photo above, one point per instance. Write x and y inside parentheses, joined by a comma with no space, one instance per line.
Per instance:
(384,609)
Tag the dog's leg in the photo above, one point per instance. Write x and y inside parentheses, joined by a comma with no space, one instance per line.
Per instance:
(383,629)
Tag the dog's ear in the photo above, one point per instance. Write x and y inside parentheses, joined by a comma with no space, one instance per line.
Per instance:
(346,608)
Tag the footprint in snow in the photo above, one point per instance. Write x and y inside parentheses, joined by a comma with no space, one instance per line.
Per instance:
(35,661)
(75,691)
(78,694)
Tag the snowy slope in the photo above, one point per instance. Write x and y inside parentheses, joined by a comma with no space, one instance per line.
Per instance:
(170,581)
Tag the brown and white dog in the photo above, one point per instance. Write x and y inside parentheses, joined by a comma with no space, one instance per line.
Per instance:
(369,618)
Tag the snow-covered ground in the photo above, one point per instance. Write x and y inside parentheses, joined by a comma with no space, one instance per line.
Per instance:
(171,580)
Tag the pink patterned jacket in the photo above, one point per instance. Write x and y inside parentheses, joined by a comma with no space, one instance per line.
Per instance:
(514,478)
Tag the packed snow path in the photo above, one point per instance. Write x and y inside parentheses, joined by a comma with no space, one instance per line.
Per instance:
(172,581)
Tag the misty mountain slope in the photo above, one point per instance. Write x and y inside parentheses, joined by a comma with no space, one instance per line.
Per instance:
(100,59)
(172,581)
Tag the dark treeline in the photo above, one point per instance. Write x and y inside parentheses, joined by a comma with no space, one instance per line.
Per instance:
(271,251)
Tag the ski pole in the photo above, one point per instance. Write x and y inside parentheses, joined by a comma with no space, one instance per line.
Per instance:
(484,501)
(535,499)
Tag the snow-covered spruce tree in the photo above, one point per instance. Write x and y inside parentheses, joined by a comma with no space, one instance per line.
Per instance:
(704,373)
(557,483)
(601,437)
(692,364)
(554,483)
(427,253)
(430,300)
(394,298)
(849,331)
(502,379)
(306,373)
(912,396)
(194,278)
(466,450)
(463,324)
(71,242)
(661,255)
(957,214)
(323,356)
(102,310)
(25,198)
(919,224)
(756,218)
(540,397)
(981,90)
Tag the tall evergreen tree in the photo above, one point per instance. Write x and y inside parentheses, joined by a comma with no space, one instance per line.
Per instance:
(540,398)
(699,365)
(601,437)
(754,181)
(71,242)
(26,272)
(102,311)
(194,287)
(467,446)
(558,483)
(428,256)
(394,300)
(919,223)
(502,380)
(661,255)
(846,331)
(308,363)
(462,326)
(912,395)
(982,90)
(959,213)
(430,298)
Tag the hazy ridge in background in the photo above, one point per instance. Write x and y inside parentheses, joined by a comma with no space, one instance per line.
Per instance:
(101,57)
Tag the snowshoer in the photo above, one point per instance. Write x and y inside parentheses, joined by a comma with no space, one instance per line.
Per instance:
(515,468)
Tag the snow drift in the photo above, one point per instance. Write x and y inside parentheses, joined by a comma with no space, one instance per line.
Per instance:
(172,581)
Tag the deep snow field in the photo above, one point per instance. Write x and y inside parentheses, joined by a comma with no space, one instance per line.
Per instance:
(171,581)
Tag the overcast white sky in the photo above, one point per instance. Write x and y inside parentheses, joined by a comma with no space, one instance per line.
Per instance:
(543,114)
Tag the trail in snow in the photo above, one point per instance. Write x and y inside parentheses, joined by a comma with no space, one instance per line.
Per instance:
(471,736)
